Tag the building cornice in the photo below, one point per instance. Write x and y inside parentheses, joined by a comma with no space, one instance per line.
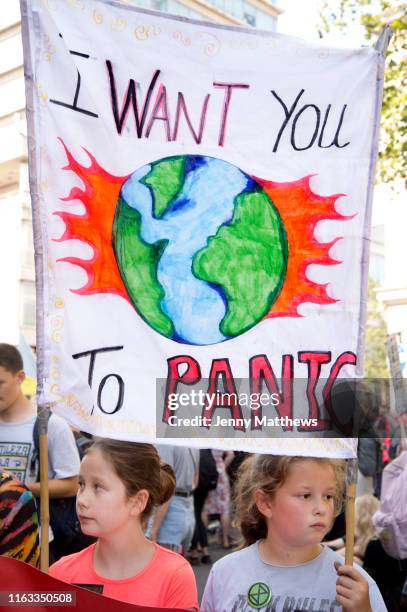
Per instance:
(11,30)
(216,14)
(267,7)
(392,296)
(11,75)
(211,12)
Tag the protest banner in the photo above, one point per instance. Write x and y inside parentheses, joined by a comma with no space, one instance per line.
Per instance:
(202,202)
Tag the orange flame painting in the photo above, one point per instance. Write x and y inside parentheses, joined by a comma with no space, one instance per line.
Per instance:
(286,247)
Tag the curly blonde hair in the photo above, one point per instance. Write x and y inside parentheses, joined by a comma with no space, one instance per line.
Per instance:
(268,473)
(365,507)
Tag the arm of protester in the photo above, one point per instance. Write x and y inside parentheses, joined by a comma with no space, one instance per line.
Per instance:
(195,481)
(354,592)
(229,456)
(63,457)
(352,589)
(158,518)
(63,461)
(19,521)
(337,544)
(57,487)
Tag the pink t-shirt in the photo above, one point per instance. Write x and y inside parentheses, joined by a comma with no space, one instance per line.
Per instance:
(167,581)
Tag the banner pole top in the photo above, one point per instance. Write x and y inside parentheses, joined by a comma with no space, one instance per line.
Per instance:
(383,41)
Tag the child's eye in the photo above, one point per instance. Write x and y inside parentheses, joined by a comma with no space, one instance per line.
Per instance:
(98,486)
(329,497)
(305,495)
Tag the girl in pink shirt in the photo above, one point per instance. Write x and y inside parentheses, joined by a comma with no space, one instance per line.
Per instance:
(119,485)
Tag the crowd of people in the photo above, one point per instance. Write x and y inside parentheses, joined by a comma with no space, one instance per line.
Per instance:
(139,523)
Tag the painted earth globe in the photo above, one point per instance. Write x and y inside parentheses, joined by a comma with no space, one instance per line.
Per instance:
(200,247)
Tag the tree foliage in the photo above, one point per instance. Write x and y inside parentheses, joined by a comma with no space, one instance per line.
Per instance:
(373,15)
(376,365)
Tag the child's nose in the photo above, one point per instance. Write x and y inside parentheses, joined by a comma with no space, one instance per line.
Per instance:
(320,506)
(82,498)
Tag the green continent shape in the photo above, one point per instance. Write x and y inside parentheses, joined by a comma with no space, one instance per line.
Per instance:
(165,180)
(248,260)
(137,262)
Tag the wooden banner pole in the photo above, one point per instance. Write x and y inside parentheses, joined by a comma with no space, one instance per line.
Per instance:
(44,491)
(351,478)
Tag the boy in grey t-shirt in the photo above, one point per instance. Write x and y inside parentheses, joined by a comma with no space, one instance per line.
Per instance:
(17,418)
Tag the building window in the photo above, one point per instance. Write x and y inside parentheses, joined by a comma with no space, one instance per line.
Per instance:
(378,234)
(159,5)
(180,9)
(250,19)
(265,21)
(27,304)
(377,268)
(27,244)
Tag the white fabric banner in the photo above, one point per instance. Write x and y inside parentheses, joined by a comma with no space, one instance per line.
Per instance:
(201,199)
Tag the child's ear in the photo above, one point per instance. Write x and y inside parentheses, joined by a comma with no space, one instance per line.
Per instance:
(20,376)
(263,503)
(139,502)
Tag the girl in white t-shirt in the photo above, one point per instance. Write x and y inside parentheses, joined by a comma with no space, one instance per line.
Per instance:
(284,508)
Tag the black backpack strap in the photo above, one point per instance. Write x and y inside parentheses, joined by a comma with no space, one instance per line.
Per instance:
(36,438)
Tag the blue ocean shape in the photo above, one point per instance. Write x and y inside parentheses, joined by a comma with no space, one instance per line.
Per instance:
(206,202)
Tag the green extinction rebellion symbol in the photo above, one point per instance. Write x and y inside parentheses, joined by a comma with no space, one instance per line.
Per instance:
(259,595)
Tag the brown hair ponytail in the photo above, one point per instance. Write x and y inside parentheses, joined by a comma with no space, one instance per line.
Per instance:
(167,481)
(139,467)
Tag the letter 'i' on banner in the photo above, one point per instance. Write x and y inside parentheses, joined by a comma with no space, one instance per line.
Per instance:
(201,204)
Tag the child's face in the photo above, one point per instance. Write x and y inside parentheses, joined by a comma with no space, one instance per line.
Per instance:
(10,388)
(102,504)
(301,511)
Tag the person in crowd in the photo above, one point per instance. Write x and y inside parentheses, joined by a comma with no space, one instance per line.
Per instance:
(18,521)
(208,479)
(284,508)
(369,465)
(17,450)
(120,483)
(387,425)
(173,523)
(388,573)
(365,507)
(335,538)
(403,600)
(218,500)
(385,550)
(233,467)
